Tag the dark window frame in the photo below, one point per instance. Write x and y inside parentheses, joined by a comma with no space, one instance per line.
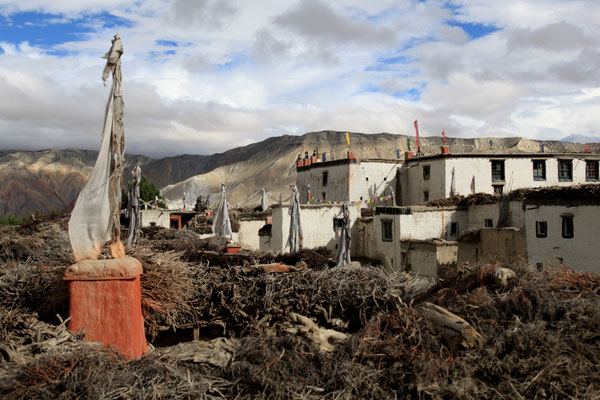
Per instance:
(325,177)
(541,229)
(595,169)
(387,230)
(324,194)
(536,170)
(498,170)
(565,170)
(338,223)
(568,227)
(488,223)
(425,195)
(426,172)
(453,228)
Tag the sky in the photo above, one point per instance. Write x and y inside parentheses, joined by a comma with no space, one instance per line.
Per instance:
(204,76)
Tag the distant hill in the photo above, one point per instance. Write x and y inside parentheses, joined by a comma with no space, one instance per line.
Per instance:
(51,179)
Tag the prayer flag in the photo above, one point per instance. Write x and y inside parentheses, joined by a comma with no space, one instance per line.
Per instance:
(348,138)
(417,132)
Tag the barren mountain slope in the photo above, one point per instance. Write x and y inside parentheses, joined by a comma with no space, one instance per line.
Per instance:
(271,163)
(51,179)
(45,180)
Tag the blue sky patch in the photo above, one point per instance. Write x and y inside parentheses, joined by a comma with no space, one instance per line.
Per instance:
(412,94)
(46,30)
(236,60)
(475,30)
(166,43)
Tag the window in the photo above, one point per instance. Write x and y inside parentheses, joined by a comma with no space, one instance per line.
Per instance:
(323,194)
(498,189)
(497,170)
(541,229)
(426,172)
(567,226)
(367,179)
(386,230)
(426,196)
(338,223)
(539,170)
(565,170)
(591,170)
(454,229)
(489,223)
(325,176)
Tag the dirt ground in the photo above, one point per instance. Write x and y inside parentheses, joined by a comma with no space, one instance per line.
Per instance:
(541,331)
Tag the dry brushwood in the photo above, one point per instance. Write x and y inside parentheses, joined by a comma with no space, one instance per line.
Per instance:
(456,331)
(326,339)
(217,352)
(541,329)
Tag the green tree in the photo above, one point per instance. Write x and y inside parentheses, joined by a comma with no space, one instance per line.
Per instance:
(148,191)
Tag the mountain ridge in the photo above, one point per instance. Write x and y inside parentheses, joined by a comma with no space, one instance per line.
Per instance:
(48,179)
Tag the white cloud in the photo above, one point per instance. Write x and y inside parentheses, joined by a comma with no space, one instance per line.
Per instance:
(242,71)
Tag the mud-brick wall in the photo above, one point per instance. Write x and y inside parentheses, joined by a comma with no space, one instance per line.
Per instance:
(502,244)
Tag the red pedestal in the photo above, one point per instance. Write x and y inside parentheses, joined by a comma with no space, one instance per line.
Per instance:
(408,154)
(106,302)
(233,249)
(351,155)
(445,150)
(299,163)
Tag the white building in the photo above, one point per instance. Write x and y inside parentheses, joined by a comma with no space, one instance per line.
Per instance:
(430,177)
(321,226)
(347,179)
(563,227)
(176,219)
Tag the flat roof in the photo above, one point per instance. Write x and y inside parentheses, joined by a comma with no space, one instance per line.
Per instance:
(504,155)
(342,161)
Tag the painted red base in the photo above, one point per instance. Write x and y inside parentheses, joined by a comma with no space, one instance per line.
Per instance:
(445,150)
(106,302)
(408,155)
(233,249)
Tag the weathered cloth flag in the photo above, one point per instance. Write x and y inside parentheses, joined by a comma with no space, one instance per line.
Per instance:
(342,254)
(95,217)
(294,241)
(264,204)
(221,226)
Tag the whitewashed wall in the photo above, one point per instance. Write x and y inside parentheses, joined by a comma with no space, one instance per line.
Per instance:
(373,179)
(415,185)
(429,222)
(424,223)
(580,252)
(317,226)
(157,217)
(352,181)
(248,233)
(518,173)
(338,181)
